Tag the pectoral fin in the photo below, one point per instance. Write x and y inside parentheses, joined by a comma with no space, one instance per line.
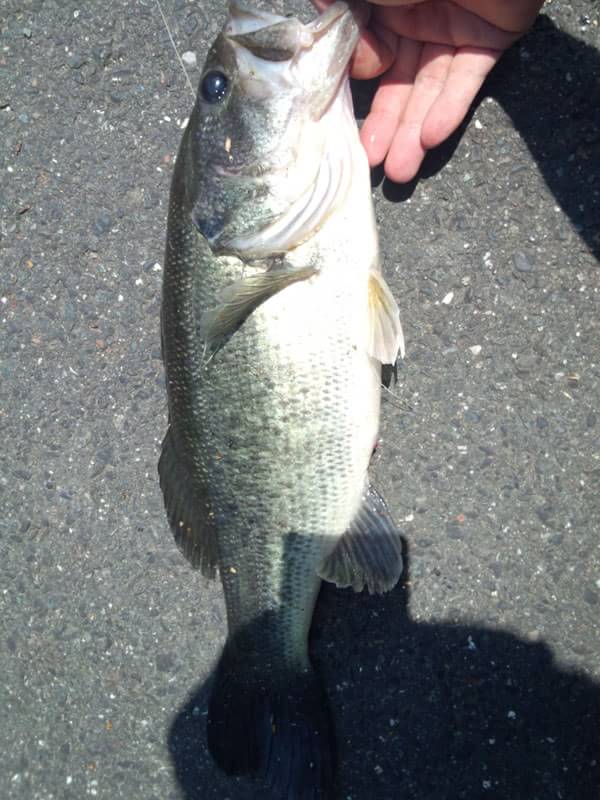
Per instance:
(241,298)
(386,339)
(369,553)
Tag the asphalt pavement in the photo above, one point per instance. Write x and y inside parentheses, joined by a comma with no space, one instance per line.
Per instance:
(479,676)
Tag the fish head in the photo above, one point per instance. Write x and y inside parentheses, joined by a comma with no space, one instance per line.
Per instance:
(255,137)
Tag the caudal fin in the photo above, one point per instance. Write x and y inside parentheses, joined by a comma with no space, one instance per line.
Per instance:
(274,726)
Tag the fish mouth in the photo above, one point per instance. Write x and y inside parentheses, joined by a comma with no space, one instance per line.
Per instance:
(311,57)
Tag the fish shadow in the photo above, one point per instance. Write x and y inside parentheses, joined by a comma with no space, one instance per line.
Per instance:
(422,710)
(549,85)
(445,711)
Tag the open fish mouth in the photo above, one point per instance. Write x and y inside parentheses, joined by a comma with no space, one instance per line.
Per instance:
(288,54)
(277,38)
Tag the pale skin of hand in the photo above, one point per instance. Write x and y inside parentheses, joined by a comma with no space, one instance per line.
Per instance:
(433,57)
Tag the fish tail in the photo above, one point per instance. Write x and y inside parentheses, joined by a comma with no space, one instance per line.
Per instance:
(276,727)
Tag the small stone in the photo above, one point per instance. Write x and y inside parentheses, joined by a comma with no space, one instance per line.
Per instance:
(105,455)
(475,349)
(102,224)
(544,465)
(545,512)
(102,53)
(591,597)
(76,61)
(421,504)
(190,24)
(165,662)
(522,262)
(455,530)
(189,58)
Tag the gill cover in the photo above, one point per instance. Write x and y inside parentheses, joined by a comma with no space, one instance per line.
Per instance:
(269,154)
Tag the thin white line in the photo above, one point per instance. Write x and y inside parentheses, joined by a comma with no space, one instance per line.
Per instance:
(164,19)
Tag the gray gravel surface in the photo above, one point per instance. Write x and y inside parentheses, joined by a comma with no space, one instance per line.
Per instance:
(480,676)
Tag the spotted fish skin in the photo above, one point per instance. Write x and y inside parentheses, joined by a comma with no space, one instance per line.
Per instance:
(275,322)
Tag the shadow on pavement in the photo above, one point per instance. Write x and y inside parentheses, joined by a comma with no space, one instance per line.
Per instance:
(549,85)
(550,88)
(436,711)
(449,711)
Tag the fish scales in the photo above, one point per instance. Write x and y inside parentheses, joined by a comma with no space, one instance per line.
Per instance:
(274,330)
(282,425)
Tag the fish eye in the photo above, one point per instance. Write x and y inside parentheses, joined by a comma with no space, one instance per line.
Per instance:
(214,86)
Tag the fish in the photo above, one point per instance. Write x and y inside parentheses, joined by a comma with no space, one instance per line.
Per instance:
(275,323)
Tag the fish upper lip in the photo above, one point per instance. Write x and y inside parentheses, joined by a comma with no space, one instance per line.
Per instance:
(327,17)
(306,34)
(322,24)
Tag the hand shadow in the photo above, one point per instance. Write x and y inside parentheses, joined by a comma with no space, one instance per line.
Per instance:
(440,711)
(549,85)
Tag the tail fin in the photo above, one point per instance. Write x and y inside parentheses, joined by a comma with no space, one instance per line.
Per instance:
(276,727)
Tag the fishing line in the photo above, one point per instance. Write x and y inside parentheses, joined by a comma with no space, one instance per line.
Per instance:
(187,77)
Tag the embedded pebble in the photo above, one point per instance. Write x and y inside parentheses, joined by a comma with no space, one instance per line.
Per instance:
(591,597)
(522,262)
(455,530)
(189,58)
(102,224)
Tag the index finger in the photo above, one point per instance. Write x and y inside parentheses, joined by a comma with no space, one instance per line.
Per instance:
(374,54)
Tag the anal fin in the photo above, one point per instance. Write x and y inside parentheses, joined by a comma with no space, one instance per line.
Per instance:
(188,509)
(369,553)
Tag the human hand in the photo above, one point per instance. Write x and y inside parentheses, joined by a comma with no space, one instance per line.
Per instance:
(432,56)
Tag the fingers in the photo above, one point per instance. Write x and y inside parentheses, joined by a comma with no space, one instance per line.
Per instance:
(444,23)
(514,16)
(421,101)
(391,98)
(468,70)
(374,54)
(400,108)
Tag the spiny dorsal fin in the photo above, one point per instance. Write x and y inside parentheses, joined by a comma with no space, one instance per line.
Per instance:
(188,510)
(369,553)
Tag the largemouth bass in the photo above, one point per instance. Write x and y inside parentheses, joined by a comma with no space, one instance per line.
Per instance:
(275,323)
